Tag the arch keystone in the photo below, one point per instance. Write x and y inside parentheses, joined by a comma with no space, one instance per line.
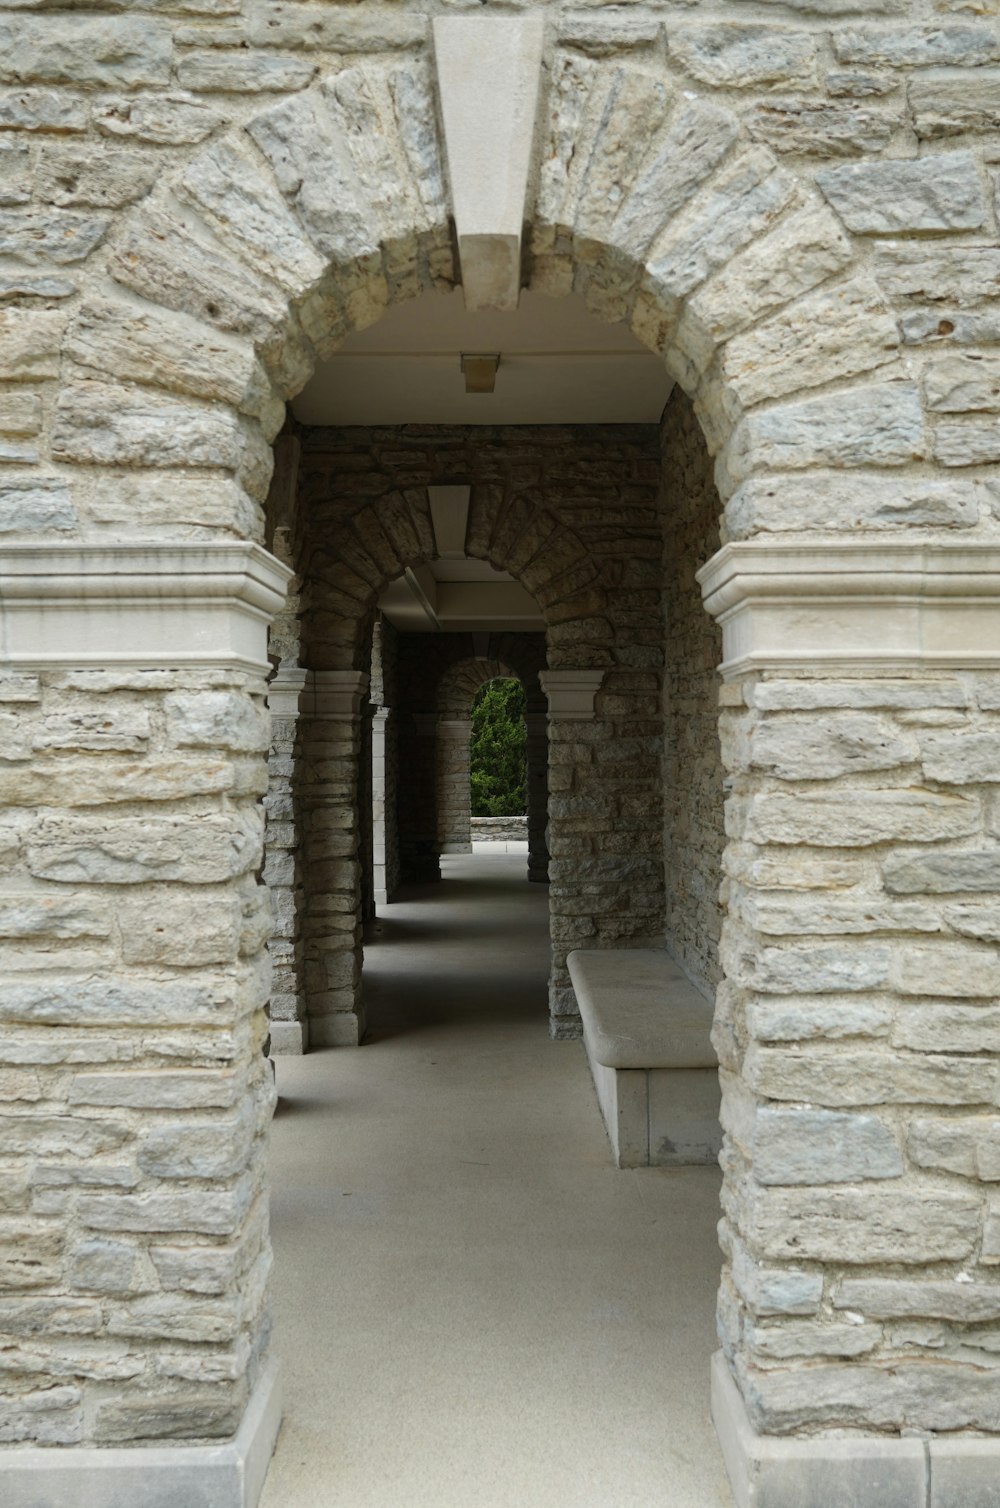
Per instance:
(489,72)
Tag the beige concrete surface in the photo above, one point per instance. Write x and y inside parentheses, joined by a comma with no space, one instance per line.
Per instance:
(473,1307)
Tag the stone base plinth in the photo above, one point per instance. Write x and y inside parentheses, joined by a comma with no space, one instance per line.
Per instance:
(849,1471)
(338,1029)
(289,1038)
(229,1475)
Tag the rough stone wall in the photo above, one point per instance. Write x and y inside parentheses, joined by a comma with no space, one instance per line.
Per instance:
(857,1029)
(574,514)
(693,829)
(135,1095)
(811,241)
(384,694)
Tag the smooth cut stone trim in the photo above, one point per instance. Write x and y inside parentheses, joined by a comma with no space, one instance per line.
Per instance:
(155,1476)
(844,607)
(144,606)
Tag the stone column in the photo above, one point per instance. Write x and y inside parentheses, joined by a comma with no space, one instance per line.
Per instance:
(454,794)
(572,704)
(537,787)
(136,1094)
(282,866)
(366,834)
(857,1026)
(332,714)
(418,801)
(380,728)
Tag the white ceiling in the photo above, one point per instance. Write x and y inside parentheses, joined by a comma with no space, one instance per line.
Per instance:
(558,365)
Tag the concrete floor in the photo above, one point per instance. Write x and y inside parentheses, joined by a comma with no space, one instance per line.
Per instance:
(474,1309)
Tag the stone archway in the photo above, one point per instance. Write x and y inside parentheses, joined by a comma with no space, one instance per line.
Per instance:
(858,720)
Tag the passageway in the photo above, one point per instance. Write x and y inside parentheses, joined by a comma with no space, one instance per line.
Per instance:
(473,1306)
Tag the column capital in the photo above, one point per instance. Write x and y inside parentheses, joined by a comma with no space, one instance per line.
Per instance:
(141,605)
(284,691)
(845,606)
(571,693)
(336,694)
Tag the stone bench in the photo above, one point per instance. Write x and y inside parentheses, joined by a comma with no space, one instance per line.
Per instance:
(646,1030)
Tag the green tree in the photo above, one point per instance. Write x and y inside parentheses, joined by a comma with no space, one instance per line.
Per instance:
(497,751)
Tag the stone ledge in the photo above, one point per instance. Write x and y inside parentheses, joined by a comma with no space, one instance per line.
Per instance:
(229,1475)
(848,606)
(138,605)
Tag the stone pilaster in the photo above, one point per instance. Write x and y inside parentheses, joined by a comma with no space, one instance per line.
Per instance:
(332,716)
(537,789)
(855,1023)
(454,795)
(283,865)
(136,1094)
(380,815)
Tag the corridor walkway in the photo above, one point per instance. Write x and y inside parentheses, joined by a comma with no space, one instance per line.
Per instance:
(473,1308)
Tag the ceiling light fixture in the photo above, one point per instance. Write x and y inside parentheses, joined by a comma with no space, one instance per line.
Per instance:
(480,372)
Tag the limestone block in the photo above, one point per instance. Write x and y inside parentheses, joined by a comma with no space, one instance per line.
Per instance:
(199,503)
(111,51)
(792,869)
(283,23)
(821,1146)
(824,129)
(225,182)
(785,916)
(835,333)
(15,173)
(216,719)
(743,56)
(778,695)
(216,1148)
(221,1215)
(968,442)
(170,1416)
(172,260)
(161,926)
(830,500)
(817,969)
(106,1266)
(974,919)
(167,1317)
(927,272)
(111,779)
(698,138)
(907,47)
(958,1299)
(828,1017)
(878,425)
(742,201)
(171,350)
(20,412)
(243,72)
(936,873)
(121,728)
(102,177)
(947,968)
(856,818)
(50,1416)
(949,1396)
(198,1269)
(919,1224)
(806,247)
(775,1290)
(42,110)
(41,914)
(841,1076)
(41,1135)
(35,504)
(161,119)
(829,744)
(809,1338)
(946,102)
(888,198)
(969,1145)
(962,756)
(634,111)
(101,423)
(29,344)
(944,1027)
(991,1233)
(50,1316)
(133,850)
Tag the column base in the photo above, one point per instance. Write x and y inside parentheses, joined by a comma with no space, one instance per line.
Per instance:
(289,1038)
(338,1029)
(833,1471)
(229,1475)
